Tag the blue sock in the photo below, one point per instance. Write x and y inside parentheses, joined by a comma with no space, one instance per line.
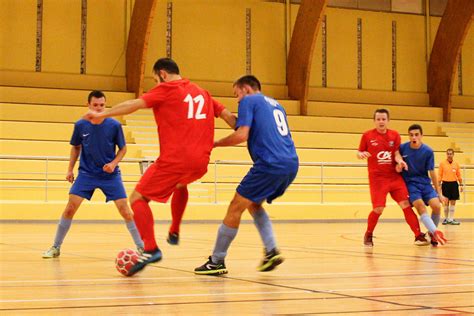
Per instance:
(63,228)
(132,228)
(428,222)
(225,235)
(264,227)
(435,218)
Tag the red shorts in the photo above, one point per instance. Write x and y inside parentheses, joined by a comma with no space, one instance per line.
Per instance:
(381,186)
(158,184)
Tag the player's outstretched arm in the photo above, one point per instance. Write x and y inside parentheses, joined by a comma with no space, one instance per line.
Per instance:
(239,136)
(123,108)
(229,118)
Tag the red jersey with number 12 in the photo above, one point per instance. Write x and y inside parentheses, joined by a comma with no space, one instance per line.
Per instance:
(381,148)
(184,114)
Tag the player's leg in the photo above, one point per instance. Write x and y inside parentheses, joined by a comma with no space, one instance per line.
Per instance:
(412,221)
(144,221)
(115,191)
(434,233)
(452,194)
(127,214)
(399,193)
(271,187)
(225,235)
(452,208)
(179,201)
(63,226)
(379,188)
(435,205)
(444,189)
(272,257)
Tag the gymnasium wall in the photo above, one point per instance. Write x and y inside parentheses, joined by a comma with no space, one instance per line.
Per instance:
(209,42)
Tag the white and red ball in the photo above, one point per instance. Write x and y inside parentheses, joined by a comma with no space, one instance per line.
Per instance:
(125,260)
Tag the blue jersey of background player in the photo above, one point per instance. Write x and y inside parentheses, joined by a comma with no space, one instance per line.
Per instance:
(418,176)
(96,142)
(262,123)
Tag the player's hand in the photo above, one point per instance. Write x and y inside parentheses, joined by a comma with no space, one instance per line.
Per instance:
(398,168)
(70,176)
(461,188)
(109,168)
(363,154)
(92,116)
(443,199)
(403,165)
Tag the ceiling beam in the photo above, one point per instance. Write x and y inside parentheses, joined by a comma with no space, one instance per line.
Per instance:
(452,30)
(302,46)
(138,36)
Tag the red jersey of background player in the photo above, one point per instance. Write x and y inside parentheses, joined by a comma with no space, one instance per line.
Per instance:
(382,148)
(184,114)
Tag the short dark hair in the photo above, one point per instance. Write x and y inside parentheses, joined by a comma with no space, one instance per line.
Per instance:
(415,126)
(166,64)
(450,150)
(250,80)
(382,111)
(95,94)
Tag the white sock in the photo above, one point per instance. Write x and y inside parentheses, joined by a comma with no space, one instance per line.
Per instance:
(451,213)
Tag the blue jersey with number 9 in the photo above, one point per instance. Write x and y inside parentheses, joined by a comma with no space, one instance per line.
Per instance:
(270,144)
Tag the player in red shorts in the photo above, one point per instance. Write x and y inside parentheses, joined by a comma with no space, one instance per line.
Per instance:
(380,147)
(184,114)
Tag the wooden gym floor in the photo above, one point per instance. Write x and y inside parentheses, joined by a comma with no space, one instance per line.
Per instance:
(327,271)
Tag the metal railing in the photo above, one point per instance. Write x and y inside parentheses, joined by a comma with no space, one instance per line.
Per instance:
(320,182)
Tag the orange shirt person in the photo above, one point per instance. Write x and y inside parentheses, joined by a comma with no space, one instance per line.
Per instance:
(451,184)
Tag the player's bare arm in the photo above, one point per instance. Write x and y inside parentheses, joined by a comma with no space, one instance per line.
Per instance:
(239,136)
(363,154)
(434,180)
(229,118)
(110,167)
(75,151)
(401,164)
(123,108)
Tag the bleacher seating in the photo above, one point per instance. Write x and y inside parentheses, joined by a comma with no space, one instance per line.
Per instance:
(37,122)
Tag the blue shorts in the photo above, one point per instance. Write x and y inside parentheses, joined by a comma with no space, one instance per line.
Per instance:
(85,185)
(258,186)
(421,191)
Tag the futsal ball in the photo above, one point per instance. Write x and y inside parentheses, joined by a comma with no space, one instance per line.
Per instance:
(125,260)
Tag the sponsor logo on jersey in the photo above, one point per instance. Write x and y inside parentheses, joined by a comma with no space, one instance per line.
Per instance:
(384,157)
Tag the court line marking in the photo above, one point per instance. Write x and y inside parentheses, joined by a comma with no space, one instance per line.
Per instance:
(122,279)
(295,291)
(154,296)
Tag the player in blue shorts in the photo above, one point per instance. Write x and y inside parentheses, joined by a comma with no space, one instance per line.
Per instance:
(420,161)
(95,142)
(262,123)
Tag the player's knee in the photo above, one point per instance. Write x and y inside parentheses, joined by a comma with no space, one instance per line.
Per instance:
(125,211)
(70,210)
(127,215)
(378,210)
(134,197)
